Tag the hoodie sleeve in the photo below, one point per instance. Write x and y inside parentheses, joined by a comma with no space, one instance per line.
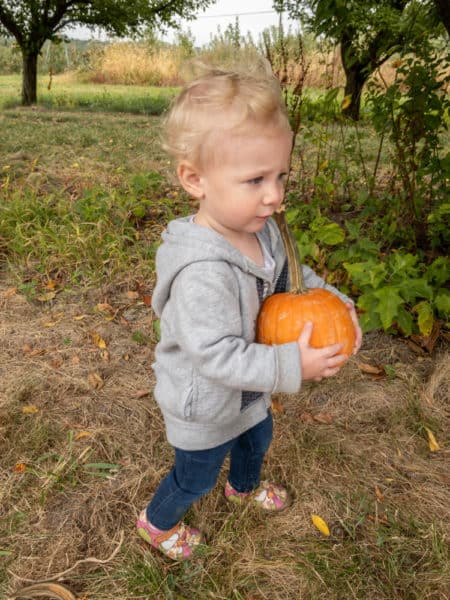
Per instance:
(314,281)
(206,319)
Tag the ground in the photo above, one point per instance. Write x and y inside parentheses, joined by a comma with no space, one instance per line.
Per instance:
(83,447)
(82,444)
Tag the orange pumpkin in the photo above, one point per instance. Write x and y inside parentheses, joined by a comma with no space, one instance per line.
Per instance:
(283,316)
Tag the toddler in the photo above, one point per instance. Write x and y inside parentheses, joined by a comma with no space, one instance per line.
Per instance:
(230,136)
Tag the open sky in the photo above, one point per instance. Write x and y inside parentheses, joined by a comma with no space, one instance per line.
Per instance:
(254,16)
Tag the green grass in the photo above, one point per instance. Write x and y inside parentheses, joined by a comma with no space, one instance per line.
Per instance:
(73,95)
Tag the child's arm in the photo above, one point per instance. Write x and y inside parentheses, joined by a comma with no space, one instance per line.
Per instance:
(206,318)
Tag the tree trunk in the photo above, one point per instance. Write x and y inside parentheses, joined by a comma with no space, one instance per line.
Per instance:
(29,78)
(354,84)
(355,78)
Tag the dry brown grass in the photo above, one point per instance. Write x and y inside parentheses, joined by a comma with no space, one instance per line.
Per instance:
(369,465)
(134,64)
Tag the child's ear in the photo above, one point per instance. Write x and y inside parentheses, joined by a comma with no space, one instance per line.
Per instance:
(190,179)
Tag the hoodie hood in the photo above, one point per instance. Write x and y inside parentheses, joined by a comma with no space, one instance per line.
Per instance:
(186,243)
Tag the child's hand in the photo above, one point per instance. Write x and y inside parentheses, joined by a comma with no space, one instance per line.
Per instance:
(354,317)
(318,362)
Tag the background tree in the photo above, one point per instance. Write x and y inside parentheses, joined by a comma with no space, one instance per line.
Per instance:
(32,22)
(368,33)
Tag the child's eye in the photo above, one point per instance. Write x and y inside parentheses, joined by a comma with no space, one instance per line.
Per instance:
(255,180)
(282,177)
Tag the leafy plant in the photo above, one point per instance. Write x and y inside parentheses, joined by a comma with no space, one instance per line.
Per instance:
(412,111)
(401,293)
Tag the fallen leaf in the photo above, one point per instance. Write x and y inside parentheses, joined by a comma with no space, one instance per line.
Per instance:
(378,519)
(306,417)
(378,494)
(323,418)
(37,352)
(371,369)
(320,524)
(277,407)
(76,360)
(95,380)
(20,467)
(9,292)
(46,296)
(104,307)
(51,285)
(56,363)
(432,443)
(428,341)
(124,321)
(98,340)
(79,317)
(147,299)
(126,357)
(26,348)
(83,434)
(141,393)
(132,295)
(30,409)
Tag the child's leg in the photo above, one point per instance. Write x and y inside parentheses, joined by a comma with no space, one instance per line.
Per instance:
(193,475)
(247,455)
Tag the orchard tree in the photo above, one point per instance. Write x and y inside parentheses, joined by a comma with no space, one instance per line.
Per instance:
(32,22)
(368,32)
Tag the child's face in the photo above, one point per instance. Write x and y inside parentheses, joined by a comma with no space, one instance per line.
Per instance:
(244,184)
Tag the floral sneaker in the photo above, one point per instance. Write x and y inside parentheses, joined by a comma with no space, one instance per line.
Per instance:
(267,496)
(178,543)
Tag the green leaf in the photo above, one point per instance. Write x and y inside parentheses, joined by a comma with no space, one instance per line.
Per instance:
(389,301)
(369,319)
(102,466)
(439,271)
(425,317)
(415,288)
(404,320)
(442,302)
(330,234)
(367,274)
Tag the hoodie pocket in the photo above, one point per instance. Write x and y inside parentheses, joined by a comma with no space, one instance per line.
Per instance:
(188,402)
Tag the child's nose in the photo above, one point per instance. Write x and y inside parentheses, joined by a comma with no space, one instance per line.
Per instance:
(274,194)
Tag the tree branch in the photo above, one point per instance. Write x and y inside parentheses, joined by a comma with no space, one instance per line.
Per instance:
(7,20)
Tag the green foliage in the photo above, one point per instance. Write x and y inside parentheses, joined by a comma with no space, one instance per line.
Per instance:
(83,241)
(412,112)
(401,293)
(395,291)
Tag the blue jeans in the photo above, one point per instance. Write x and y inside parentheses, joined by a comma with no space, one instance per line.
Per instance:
(195,473)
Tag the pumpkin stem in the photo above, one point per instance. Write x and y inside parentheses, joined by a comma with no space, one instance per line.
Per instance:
(297,283)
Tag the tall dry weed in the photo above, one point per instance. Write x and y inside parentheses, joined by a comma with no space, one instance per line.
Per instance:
(128,63)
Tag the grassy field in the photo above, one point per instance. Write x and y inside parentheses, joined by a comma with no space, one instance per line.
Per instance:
(68,94)
(84,197)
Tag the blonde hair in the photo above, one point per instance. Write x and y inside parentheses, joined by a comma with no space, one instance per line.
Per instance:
(221,100)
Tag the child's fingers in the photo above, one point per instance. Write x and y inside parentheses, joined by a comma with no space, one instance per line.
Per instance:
(306,333)
(333,350)
(336,361)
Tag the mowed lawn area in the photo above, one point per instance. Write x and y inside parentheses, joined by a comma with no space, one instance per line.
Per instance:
(84,197)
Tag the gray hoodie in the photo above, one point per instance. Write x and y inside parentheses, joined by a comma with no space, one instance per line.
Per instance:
(213,381)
